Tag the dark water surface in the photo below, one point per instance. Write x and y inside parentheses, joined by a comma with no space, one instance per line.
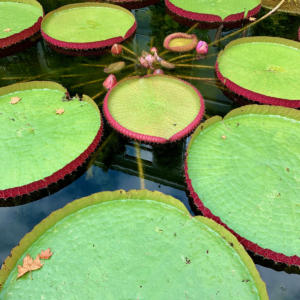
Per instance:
(115,165)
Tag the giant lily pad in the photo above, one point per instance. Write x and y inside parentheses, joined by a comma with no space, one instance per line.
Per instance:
(43,136)
(244,168)
(289,6)
(86,26)
(155,109)
(139,244)
(214,12)
(258,69)
(20,20)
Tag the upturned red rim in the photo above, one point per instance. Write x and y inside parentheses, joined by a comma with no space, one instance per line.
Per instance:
(58,175)
(88,45)
(148,138)
(24,34)
(210,18)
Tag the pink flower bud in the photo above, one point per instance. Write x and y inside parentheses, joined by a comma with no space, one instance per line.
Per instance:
(158,72)
(110,82)
(150,59)
(116,49)
(202,48)
(143,62)
(153,50)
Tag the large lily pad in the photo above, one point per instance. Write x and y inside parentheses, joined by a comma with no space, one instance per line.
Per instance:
(132,245)
(155,109)
(243,172)
(86,26)
(289,6)
(262,69)
(214,11)
(43,136)
(20,19)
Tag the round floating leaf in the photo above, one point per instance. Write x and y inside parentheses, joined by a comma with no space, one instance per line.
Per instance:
(214,11)
(155,109)
(85,26)
(44,136)
(20,19)
(262,69)
(244,168)
(289,6)
(138,244)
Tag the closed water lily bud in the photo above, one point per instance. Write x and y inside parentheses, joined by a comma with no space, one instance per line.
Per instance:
(158,72)
(202,48)
(116,49)
(153,50)
(110,82)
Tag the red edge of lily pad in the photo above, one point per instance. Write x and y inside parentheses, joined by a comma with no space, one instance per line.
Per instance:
(255,248)
(210,18)
(89,45)
(58,175)
(133,4)
(253,95)
(148,138)
(20,36)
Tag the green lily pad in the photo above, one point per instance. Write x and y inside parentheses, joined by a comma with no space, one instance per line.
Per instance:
(42,134)
(17,16)
(94,24)
(138,244)
(244,170)
(155,108)
(289,6)
(263,69)
(221,8)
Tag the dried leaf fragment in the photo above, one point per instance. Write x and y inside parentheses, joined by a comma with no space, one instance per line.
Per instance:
(252,19)
(15,100)
(60,111)
(7,29)
(29,265)
(45,254)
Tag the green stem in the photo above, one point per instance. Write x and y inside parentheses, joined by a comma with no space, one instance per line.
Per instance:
(192,28)
(195,66)
(128,50)
(248,26)
(181,56)
(129,58)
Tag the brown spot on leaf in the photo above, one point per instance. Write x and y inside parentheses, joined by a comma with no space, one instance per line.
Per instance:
(15,100)
(187,261)
(60,111)
(288,169)
(224,137)
(7,29)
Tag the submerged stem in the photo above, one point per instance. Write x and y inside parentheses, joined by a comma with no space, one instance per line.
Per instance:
(195,66)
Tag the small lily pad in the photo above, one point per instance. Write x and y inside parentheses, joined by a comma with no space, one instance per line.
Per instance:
(257,68)
(242,171)
(155,109)
(147,238)
(43,138)
(180,42)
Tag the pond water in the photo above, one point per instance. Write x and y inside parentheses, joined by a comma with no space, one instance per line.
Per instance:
(116,164)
